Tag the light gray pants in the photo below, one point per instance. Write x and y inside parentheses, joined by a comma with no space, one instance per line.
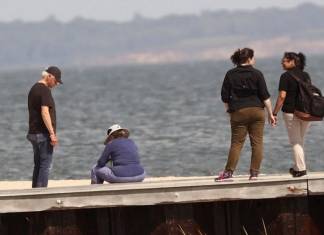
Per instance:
(99,175)
(296,129)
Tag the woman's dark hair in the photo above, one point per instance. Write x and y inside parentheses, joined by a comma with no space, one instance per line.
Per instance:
(241,56)
(300,59)
(122,133)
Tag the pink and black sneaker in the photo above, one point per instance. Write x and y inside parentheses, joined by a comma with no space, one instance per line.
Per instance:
(224,175)
(253,175)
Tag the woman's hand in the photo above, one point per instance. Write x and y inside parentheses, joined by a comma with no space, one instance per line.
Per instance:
(272,119)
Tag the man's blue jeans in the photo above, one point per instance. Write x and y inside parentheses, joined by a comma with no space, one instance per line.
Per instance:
(43,154)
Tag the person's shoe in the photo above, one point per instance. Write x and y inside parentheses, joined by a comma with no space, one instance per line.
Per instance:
(300,173)
(253,175)
(295,173)
(226,174)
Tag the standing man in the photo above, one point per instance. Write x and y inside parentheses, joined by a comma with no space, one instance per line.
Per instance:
(42,124)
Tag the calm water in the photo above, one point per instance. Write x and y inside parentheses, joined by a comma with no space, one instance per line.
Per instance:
(174,113)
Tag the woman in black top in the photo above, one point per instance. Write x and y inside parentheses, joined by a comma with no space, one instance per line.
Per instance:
(245,94)
(294,64)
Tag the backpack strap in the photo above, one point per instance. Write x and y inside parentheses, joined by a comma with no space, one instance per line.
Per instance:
(313,89)
(298,79)
(295,77)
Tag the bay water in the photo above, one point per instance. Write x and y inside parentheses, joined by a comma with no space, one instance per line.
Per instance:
(173,111)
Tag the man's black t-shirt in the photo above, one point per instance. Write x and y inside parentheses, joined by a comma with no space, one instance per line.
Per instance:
(40,95)
(243,87)
(290,86)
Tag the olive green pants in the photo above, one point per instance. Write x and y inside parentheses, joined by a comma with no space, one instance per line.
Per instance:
(246,121)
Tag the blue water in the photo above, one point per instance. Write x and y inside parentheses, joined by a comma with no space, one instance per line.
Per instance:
(174,114)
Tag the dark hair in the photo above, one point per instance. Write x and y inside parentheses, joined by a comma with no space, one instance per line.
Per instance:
(300,59)
(122,133)
(241,56)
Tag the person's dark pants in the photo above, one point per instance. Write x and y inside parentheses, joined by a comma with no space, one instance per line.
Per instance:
(43,154)
(246,121)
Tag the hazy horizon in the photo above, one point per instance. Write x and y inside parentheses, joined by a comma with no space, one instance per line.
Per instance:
(121,11)
(176,38)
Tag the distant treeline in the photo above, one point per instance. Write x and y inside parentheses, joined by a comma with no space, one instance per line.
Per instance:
(92,42)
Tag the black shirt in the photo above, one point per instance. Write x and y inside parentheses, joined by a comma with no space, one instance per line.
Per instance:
(243,87)
(290,86)
(40,95)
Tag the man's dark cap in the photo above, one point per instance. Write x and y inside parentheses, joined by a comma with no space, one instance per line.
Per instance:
(56,72)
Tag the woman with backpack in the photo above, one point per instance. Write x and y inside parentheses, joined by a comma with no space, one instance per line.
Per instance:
(294,65)
(245,94)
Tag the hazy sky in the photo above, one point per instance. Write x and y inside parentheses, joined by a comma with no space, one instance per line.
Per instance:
(124,10)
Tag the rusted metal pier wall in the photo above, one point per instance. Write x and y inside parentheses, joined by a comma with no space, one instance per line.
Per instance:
(286,216)
(297,211)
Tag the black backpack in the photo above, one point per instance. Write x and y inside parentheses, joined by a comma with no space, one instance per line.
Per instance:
(310,102)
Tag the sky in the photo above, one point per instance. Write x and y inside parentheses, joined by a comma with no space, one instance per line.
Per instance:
(124,10)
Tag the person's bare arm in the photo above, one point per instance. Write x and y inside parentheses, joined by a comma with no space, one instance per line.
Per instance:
(48,123)
(280,100)
(226,106)
(271,118)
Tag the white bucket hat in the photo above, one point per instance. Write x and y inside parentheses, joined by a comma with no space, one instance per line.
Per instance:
(114,128)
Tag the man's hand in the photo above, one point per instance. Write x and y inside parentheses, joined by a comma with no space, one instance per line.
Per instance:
(54,140)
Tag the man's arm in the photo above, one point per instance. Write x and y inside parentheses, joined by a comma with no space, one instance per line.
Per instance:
(48,123)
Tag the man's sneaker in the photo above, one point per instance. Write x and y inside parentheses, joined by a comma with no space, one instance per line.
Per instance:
(226,174)
(253,175)
(295,173)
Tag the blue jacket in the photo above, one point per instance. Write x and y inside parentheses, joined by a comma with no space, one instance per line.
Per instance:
(123,154)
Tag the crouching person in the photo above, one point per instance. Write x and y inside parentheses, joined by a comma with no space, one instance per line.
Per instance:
(122,153)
